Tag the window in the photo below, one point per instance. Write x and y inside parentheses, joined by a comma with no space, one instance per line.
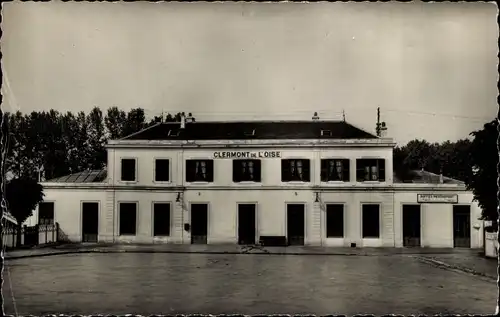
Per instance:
(161,219)
(200,171)
(334,221)
(128,218)
(46,213)
(246,171)
(162,170)
(295,170)
(371,221)
(326,133)
(128,170)
(334,170)
(370,170)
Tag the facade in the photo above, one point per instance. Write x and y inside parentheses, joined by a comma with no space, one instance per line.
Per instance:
(323,183)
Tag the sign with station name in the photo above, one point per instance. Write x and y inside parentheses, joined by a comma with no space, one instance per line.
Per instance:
(249,155)
(437,198)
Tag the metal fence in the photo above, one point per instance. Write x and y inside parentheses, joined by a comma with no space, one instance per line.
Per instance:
(31,236)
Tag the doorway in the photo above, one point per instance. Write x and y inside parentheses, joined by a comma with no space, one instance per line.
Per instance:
(461,226)
(411,226)
(90,221)
(295,224)
(246,224)
(199,223)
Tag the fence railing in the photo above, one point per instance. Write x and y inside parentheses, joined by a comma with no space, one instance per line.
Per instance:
(31,236)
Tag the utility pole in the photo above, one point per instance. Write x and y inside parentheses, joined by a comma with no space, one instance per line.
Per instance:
(380,125)
(343,115)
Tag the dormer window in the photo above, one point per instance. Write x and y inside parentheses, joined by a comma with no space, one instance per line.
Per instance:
(173,133)
(326,133)
(250,133)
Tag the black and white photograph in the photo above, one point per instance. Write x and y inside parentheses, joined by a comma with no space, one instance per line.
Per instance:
(323,158)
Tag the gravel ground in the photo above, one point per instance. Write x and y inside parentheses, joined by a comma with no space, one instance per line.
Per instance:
(152,283)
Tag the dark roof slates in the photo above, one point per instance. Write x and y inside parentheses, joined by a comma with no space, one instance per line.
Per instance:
(245,130)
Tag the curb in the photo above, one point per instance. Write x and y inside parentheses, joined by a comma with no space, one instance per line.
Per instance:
(242,252)
(14,257)
(455,268)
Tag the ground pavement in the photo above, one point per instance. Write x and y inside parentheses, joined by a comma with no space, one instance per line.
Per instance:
(85,279)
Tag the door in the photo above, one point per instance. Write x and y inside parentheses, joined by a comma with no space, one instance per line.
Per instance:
(199,223)
(295,224)
(461,226)
(90,221)
(246,224)
(411,226)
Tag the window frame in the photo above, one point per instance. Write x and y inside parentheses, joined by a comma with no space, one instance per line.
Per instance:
(136,203)
(169,169)
(170,217)
(257,167)
(346,170)
(135,170)
(288,178)
(379,230)
(210,179)
(53,213)
(343,220)
(381,176)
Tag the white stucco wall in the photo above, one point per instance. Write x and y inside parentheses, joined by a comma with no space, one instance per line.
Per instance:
(437,219)
(67,208)
(271,196)
(271,167)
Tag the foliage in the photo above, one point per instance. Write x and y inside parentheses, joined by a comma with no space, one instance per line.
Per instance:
(23,195)
(136,121)
(115,121)
(484,160)
(59,144)
(96,139)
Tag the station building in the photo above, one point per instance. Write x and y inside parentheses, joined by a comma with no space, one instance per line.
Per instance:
(316,182)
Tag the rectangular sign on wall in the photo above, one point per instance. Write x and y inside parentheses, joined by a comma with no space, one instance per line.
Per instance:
(249,155)
(437,198)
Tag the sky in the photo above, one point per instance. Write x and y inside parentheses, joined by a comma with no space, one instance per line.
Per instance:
(430,67)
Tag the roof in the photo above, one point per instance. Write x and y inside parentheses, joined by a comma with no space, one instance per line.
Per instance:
(415,177)
(239,130)
(88,176)
(424,177)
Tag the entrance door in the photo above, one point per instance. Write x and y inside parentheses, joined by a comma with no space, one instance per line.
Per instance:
(461,226)
(246,224)
(411,226)
(90,221)
(295,224)
(199,223)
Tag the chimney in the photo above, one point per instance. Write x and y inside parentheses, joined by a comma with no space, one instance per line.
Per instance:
(315,117)
(189,118)
(183,120)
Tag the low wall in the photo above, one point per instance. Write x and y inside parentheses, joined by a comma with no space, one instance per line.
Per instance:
(491,244)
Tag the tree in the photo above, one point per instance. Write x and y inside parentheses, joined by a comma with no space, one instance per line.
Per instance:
(136,121)
(22,195)
(96,139)
(484,160)
(418,154)
(115,120)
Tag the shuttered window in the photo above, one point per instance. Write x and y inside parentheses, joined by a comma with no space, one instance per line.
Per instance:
(295,170)
(334,170)
(200,171)
(246,171)
(162,170)
(370,170)
(128,170)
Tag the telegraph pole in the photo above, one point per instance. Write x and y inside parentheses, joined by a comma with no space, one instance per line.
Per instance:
(380,125)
